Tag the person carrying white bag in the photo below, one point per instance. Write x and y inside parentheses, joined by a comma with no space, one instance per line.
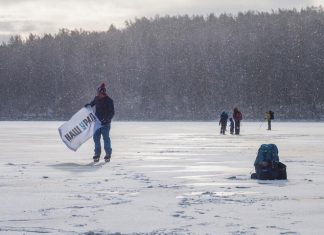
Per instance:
(104,112)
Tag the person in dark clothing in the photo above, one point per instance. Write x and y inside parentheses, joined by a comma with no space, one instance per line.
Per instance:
(223,122)
(269,116)
(237,116)
(104,112)
(231,126)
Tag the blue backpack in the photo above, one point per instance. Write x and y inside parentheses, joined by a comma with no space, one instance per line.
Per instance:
(224,116)
(267,153)
(267,165)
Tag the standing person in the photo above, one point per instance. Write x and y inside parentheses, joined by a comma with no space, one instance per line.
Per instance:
(237,116)
(269,116)
(223,122)
(104,112)
(231,126)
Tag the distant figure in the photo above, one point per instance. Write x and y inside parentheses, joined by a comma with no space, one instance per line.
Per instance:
(223,122)
(104,112)
(237,116)
(231,126)
(269,116)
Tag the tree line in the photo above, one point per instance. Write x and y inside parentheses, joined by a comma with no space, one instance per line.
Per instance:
(172,68)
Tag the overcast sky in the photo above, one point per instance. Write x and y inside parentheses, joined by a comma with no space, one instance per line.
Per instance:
(47,16)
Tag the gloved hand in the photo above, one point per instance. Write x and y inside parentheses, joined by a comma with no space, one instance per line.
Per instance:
(87,105)
(104,122)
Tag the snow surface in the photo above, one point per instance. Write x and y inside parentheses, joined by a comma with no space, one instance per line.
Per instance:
(164,178)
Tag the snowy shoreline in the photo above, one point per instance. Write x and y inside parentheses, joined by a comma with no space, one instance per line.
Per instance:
(164,178)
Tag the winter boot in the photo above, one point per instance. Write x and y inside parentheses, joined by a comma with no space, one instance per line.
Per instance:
(96,158)
(107,158)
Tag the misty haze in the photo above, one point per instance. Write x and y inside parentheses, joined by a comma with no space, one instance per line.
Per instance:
(172,68)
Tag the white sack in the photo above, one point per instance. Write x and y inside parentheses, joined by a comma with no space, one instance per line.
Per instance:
(79,128)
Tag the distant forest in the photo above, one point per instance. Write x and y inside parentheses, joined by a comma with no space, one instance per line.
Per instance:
(172,68)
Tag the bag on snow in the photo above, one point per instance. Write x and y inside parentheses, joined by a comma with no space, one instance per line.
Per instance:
(267,153)
(267,165)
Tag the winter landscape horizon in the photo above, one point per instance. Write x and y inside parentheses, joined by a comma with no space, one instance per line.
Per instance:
(163,178)
(164,91)
(183,67)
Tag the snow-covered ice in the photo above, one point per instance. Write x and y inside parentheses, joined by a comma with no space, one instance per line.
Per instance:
(164,178)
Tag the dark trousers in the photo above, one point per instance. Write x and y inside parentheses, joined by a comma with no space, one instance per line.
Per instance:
(269,124)
(237,127)
(223,128)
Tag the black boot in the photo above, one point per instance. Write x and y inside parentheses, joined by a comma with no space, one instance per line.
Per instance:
(96,158)
(107,158)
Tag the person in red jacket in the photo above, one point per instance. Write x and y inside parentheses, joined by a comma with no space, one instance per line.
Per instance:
(237,116)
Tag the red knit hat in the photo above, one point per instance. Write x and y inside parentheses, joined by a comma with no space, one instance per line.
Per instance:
(102,88)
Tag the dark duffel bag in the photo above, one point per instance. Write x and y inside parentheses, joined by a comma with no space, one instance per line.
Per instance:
(270,171)
(282,171)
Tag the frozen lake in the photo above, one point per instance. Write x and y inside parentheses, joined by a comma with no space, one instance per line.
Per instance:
(164,178)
